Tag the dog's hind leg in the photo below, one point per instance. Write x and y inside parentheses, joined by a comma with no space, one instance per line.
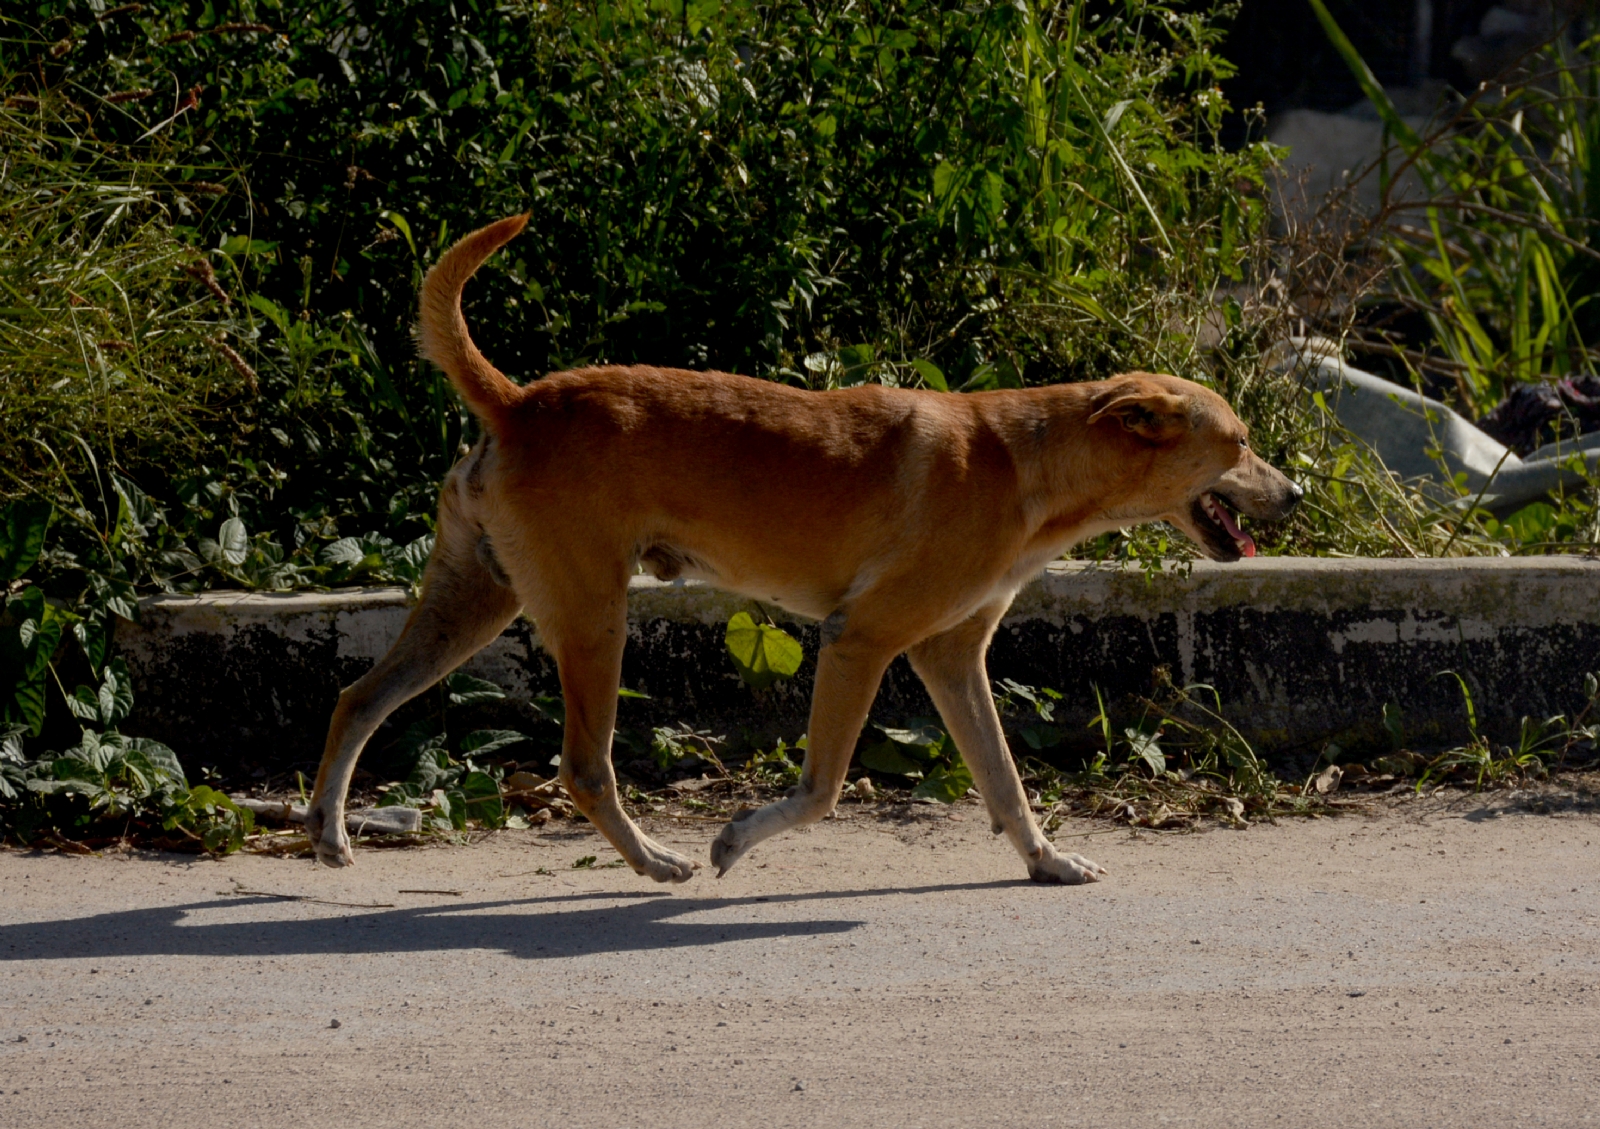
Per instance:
(848,673)
(462,609)
(589,656)
(952,667)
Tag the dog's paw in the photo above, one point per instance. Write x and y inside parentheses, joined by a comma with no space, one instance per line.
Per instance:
(328,838)
(664,865)
(1064,870)
(729,846)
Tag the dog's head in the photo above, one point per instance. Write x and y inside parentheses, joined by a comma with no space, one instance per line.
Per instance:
(1200,470)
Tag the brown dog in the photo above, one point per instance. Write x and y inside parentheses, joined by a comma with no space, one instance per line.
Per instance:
(904,521)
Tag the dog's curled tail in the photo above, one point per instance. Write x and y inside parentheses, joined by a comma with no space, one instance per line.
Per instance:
(442,332)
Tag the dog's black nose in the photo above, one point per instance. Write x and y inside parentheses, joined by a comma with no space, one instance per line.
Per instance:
(1296,492)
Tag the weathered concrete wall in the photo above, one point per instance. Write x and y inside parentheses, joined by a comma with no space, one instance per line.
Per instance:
(1301,651)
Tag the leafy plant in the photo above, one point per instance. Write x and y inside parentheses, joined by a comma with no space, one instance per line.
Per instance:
(110,782)
(762,653)
(925,753)
(1499,254)
(671,744)
(455,792)
(773,767)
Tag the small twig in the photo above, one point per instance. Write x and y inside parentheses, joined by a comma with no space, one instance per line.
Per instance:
(248,893)
(1421,360)
(451,893)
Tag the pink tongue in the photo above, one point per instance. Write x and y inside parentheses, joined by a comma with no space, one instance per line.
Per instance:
(1247,547)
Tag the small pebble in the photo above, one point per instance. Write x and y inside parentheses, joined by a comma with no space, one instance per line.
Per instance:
(335,1023)
(799,1086)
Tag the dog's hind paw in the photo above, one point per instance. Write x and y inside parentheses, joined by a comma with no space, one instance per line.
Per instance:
(728,848)
(1064,870)
(328,839)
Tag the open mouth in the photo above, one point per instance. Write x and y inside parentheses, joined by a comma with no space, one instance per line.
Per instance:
(1212,514)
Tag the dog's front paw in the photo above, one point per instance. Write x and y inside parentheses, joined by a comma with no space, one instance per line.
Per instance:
(664,865)
(1064,870)
(328,837)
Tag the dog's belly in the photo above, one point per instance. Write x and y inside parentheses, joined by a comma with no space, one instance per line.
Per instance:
(669,561)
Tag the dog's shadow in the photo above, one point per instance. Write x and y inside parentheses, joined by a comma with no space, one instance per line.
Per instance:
(529,928)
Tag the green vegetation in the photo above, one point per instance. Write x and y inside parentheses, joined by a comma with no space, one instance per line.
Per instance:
(213,220)
(1499,258)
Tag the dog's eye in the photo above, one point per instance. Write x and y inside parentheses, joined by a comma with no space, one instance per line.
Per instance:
(1244,443)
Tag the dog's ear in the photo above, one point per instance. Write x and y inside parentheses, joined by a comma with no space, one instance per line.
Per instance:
(1147,412)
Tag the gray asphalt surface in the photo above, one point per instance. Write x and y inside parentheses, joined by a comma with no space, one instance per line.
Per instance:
(1438,964)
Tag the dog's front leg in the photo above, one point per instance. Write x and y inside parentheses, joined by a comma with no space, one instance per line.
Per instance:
(847,680)
(951,666)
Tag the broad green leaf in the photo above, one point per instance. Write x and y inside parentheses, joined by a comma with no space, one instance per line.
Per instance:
(761,652)
(485,741)
(116,595)
(116,693)
(412,560)
(26,648)
(345,551)
(924,738)
(136,513)
(93,633)
(22,529)
(1532,522)
(465,690)
(481,800)
(11,742)
(947,784)
(161,758)
(432,768)
(84,703)
(418,741)
(932,375)
(25,704)
(886,756)
(1144,746)
(233,541)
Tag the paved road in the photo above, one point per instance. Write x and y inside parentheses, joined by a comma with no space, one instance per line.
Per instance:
(1437,965)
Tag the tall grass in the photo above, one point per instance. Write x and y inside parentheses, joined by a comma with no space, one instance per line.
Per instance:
(114,350)
(1500,257)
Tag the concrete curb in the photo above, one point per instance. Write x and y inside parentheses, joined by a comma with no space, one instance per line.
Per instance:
(1301,651)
